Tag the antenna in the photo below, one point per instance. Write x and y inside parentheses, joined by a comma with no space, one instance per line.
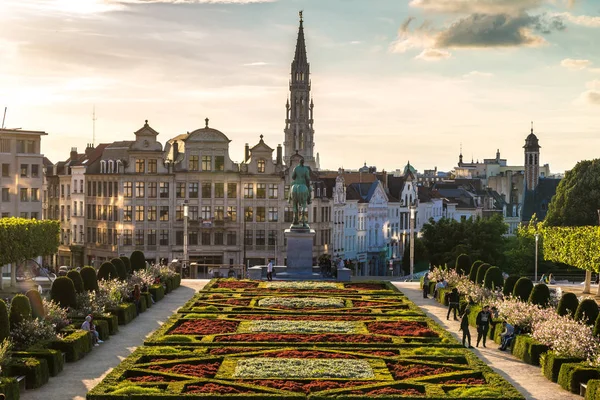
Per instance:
(94,127)
(4,118)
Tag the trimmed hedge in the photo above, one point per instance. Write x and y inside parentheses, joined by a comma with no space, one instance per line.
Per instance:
(572,374)
(20,310)
(127,263)
(168,285)
(125,312)
(481,273)
(587,311)
(148,297)
(35,371)
(593,390)
(107,271)
(90,281)
(551,364)
(112,321)
(120,267)
(143,304)
(75,276)
(528,349)
(493,278)
(523,289)
(75,345)
(137,261)
(463,264)
(53,358)
(37,306)
(4,321)
(540,295)
(509,285)
(63,292)
(157,291)
(473,271)
(100,324)
(176,281)
(10,388)
(596,331)
(568,304)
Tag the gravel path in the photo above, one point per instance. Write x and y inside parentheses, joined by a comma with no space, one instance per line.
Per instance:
(77,378)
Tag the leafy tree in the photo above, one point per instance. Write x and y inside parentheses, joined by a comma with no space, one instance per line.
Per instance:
(421,257)
(20,310)
(463,264)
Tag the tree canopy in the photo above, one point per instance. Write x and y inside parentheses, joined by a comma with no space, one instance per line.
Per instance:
(23,239)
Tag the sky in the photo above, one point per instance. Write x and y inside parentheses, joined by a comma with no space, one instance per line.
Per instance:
(392,80)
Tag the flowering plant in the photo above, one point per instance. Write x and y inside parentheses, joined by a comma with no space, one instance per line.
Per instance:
(567,337)
(30,332)
(5,347)
(140,277)
(522,314)
(90,303)
(111,293)
(55,314)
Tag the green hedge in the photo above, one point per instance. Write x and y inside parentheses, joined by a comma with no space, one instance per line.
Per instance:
(551,364)
(481,271)
(90,281)
(528,349)
(176,281)
(35,371)
(568,304)
(112,321)
(20,310)
(75,276)
(4,321)
(473,271)
(523,289)
(100,324)
(143,304)
(75,345)
(493,278)
(63,292)
(441,295)
(127,263)
(540,295)
(509,285)
(107,271)
(126,313)
(35,301)
(148,297)
(23,239)
(53,358)
(10,388)
(168,285)
(572,374)
(137,261)
(593,390)
(157,291)
(587,311)
(120,267)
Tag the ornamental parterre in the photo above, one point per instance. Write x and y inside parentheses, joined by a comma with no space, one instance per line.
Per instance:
(271,345)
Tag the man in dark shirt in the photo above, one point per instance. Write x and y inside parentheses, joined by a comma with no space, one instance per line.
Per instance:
(483,324)
(453,303)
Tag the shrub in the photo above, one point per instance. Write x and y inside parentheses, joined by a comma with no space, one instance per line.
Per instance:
(593,389)
(4,321)
(63,292)
(55,315)
(90,281)
(157,292)
(9,387)
(35,371)
(540,295)
(138,261)
(481,273)
(75,276)
(551,364)
(127,263)
(493,278)
(5,352)
(523,289)
(20,310)
(29,332)
(54,358)
(572,374)
(107,271)
(75,345)
(463,264)
(597,326)
(35,301)
(509,285)
(473,271)
(568,304)
(528,349)
(587,311)
(120,267)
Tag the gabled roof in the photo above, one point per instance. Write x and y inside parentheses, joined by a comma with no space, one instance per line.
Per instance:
(364,191)
(261,146)
(395,185)
(146,130)
(536,201)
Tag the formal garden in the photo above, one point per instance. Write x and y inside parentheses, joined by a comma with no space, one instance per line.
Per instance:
(254,340)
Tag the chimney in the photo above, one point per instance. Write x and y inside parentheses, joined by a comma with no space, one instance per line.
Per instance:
(279,155)
(73,154)
(89,149)
(246,152)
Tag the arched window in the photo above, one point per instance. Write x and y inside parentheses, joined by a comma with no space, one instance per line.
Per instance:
(102,167)
(261,165)
(301,140)
(111,166)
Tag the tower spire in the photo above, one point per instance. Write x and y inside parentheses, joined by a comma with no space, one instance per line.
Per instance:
(300,56)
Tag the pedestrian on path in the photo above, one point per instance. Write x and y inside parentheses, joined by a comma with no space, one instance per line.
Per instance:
(270,271)
(483,324)
(464,327)
(426,286)
(453,300)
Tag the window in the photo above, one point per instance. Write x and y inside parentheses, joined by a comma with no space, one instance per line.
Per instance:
(35,171)
(179,213)
(193,190)
(35,215)
(152,189)
(109,211)
(139,237)
(127,213)
(219,238)
(205,213)
(273,214)
(25,146)
(180,190)
(164,190)
(249,238)
(206,238)
(248,190)
(193,238)
(5,170)
(24,215)
(178,238)
(260,237)
(219,190)
(260,214)
(127,237)
(261,191)
(5,214)
(232,213)
(139,213)
(24,170)
(232,190)
(219,213)
(164,213)
(261,165)
(115,212)
(110,188)
(272,238)
(127,189)
(193,213)
(231,239)
(93,189)
(152,168)
(193,163)
(4,148)
(206,190)
(140,166)
(206,163)
(35,194)
(5,194)
(249,214)
(164,237)
(24,196)
(140,190)
(152,237)
(286,192)
(219,163)
(273,191)
(151,213)
(115,188)
(288,214)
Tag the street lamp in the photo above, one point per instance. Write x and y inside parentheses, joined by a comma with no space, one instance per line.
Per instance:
(537,237)
(412,242)
(185,235)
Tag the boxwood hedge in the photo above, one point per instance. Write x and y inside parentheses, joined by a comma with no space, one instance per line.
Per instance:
(125,312)
(35,371)
(551,364)
(528,349)
(54,358)
(9,387)
(75,345)
(572,374)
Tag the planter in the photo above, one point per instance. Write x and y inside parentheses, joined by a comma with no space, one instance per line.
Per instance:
(528,349)
(112,322)
(157,291)
(593,389)
(125,312)
(148,298)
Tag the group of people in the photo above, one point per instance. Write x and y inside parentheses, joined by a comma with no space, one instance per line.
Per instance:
(89,326)
(547,279)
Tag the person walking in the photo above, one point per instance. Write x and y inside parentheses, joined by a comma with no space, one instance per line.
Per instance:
(453,299)
(270,271)
(464,327)
(483,324)
(426,286)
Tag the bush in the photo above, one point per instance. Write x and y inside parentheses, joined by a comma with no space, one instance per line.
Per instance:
(523,289)
(75,345)
(35,371)
(157,292)
(138,261)
(481,273)
(63,292)
(31,331)
(120,267)
(551,364)
(90,281)
(528,349)
(596,331)
(127,263)
(75,276)
(55,315)
(463,264)
(112,322)
(572,374)
(9,387)
(540,295)
(125,312)
(568,304)
(473,271)
(20,310)
(593,389)
(35,301)
(54,358)
(493,278)
(107,272)
(4,321)
(509,285)
(587,311)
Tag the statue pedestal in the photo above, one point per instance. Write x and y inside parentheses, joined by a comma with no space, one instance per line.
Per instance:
(299,255)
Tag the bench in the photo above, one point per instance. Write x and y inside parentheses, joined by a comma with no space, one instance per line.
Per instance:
(582,389)
(21,381)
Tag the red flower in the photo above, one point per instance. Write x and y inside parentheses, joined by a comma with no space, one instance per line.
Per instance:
(205,327)
(207,370)
(401,328)
(301,338)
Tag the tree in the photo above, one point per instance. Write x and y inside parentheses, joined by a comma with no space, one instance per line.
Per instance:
(421,260)
(120,266)
(20,310)
(63,292)
(107,271)
(138,260)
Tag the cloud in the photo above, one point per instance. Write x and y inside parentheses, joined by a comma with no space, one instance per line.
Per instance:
(256,64)
(356,42)
(592,95)
(478,74)
(433,55)
(478,6)
(575,65)
(583,20)
(194,1)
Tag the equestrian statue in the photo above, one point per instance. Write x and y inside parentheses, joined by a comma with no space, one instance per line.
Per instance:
(300,195)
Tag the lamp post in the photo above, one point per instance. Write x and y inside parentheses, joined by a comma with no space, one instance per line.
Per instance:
(537,237)
(412,242)
(185,235)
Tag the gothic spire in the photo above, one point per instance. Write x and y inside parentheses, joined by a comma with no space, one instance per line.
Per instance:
(300,56)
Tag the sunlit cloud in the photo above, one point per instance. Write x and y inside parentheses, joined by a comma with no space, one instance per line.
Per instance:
(433,55)
(478,74)
(256,64)
(583,20)
(575,65)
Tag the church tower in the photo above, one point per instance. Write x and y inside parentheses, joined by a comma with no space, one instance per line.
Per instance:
(299,132)
(532,161)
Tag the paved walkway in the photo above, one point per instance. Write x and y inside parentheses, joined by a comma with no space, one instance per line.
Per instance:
(528,379)
(77,378)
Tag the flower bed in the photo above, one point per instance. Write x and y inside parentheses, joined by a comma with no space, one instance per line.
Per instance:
(401,328)
(261,368)
(303,327)
(299,338)
(207,370)
(205,327)
(231,284)
(402,371)
(305,386)
(307,285)
(302,303)
(303,317)
(216,388)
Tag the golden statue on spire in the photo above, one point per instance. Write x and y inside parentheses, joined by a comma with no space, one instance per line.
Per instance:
(300,13)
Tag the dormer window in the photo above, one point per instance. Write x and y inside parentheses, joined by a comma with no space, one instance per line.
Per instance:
(111,167)
(102,167)
(261,164)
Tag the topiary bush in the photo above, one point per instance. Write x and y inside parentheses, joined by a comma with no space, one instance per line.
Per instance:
(20,310)
(523,289)
(463,264)
(473,271)
(493,278)
(597,326)
(35,301)
(481,273)
(107,271)
(127,263)
(587,311)
(75,276)
(568,304)
(138,261)
(120,266)
(63,292)
(4,321)
(509,285)
(593,390)
(90,281)
(540,295)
